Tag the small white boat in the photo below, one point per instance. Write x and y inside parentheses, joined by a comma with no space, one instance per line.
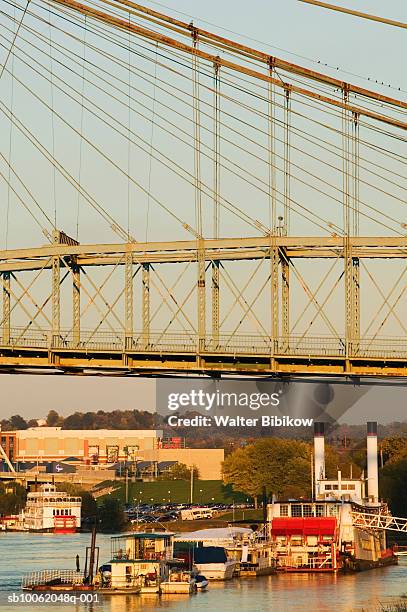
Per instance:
(201,581)
(179,582)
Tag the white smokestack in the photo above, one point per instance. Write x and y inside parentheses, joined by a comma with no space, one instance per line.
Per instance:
(372,468)
(319,455)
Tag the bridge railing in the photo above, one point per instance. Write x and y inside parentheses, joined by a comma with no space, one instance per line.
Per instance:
(379,347)
(222,344)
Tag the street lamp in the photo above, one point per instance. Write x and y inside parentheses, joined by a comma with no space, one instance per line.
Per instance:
(200,491)
(169,496)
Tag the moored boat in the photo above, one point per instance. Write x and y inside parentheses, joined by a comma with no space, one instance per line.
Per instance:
(179,582)
(341,528)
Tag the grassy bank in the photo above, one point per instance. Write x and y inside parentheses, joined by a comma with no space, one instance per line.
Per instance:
(220,520)
(178,491)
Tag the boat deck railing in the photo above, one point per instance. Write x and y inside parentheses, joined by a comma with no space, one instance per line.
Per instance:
(50,577)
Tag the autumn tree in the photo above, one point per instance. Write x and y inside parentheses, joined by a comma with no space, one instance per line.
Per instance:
(282,466)
(12,498)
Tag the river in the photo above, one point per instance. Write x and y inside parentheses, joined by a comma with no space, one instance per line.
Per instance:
(367,591)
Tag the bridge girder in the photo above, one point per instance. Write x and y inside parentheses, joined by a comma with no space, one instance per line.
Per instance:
(128,352)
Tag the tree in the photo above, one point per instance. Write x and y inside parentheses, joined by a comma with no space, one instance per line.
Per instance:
(180,471)
(282,466)
(392,481)
(12,498)
(111,515)
(17,422)
(89,507)
(74,421)
(53,419)
(394,449)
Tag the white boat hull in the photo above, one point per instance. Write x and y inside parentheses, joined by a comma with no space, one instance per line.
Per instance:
(174,588)
(217,571)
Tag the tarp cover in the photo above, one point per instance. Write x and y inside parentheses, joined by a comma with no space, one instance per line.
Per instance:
(210,554)
(221,533)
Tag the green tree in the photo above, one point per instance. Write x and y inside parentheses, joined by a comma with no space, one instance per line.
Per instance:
(394,449)
(111,515)
(53,419)
(12,498)
(180,471)
(282,466)
(392,482)
(17,422)
(89,507)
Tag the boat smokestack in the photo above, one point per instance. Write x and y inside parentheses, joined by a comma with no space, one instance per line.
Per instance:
(372,467)
(319,455)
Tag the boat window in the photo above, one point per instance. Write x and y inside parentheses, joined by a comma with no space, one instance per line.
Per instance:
(307,510)
(328,487)
(335,487)
(284,510)
(296,510)
(319,510)
(351,487)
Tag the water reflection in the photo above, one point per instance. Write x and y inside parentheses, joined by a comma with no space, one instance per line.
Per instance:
(20,553)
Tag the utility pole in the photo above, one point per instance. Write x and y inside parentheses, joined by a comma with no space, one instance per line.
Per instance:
(192,485)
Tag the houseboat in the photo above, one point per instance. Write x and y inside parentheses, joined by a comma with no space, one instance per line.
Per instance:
(321,534)
(145,557)
(250,551)
(205,551)
(140,563)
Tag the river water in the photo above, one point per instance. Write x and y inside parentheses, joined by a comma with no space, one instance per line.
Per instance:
(367,591)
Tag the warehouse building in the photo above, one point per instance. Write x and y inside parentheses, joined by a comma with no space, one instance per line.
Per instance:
(104,447)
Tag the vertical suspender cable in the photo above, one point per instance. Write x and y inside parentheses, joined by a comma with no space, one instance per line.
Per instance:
(128,136)
(82,123)
(355,172)
(345,165)
(274,254)
(216,151)
(287,170)
(198,198)
(151,141)
(54,190)
(271,154)
(10,145)
(216,207)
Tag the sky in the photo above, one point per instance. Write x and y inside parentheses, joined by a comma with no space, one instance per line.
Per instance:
(295,32)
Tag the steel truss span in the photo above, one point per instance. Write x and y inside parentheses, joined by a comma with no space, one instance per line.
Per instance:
(233,213)
(120,349)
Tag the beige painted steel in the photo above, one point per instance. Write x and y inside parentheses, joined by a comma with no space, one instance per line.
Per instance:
(212,59)
(341,9)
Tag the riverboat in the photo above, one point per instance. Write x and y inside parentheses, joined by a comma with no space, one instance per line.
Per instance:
(49,510)
(321,534)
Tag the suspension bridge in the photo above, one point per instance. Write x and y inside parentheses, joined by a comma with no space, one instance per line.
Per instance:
(176,201)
